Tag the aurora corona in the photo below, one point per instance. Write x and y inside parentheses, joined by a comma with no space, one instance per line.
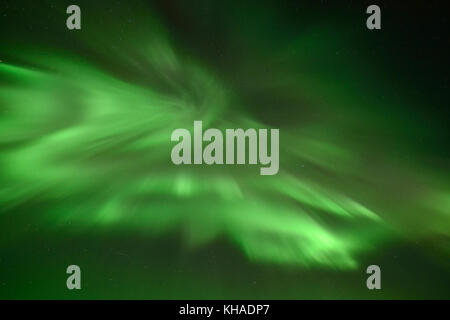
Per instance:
(360,175)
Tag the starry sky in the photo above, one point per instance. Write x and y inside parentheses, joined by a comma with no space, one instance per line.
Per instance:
(86,176)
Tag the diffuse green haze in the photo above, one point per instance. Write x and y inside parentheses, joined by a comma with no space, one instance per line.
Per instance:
(85,140)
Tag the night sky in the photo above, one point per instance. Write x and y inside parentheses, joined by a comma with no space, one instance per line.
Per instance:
(86,176)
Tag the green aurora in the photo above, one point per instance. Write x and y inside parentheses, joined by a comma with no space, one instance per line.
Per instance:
(86,176)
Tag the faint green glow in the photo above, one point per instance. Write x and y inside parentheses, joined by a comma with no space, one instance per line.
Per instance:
(94,146)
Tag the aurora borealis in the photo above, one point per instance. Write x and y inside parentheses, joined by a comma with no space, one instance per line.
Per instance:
(86,177)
